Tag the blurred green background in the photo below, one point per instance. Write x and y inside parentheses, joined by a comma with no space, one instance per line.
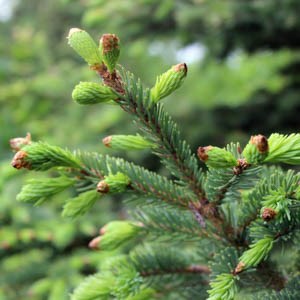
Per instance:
(244,75)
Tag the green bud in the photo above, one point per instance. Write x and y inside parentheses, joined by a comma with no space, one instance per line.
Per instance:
(256,150)
(110,50)
(215,157)
(80,205)
(92,93)
(40,189)
(168,82)
(114,234)
(85,46)
(127,142)
(113,183)
(257,252)
(42,156)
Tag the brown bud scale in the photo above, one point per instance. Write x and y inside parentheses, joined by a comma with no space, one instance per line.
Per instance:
(102,187)
(261,142)
(109,42)
(107,141)
(239,268)
(94,243)
(268,214)
(202,152)
(19,162)
(17,143)
(180,67)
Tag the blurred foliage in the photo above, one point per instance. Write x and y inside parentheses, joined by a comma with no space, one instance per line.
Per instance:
(244,74)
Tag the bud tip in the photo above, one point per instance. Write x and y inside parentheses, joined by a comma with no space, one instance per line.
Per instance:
(17,143)
(18,161)
(261,142)
(94,243)
(268,214)
(72,31)
(107,141)
(109,42)
(181,67)
(202,152)
(102,187)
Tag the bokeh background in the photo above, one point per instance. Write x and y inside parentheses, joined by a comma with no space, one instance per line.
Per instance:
(244,75)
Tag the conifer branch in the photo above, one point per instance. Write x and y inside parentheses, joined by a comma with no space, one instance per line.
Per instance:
(221,226)
(161,129)
(141,180)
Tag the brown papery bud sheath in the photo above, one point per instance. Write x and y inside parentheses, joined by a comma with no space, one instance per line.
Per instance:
(261,142)
(102,187)
(268,214)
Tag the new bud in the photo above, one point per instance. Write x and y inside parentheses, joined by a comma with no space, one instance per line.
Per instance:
(126,142)
(268,214)
(257,149)
(42,156)
(215,157)
(85,46)
(168,82)
(115,234)
(110,50)
(94,243)
(17,143)
(113,183)
(92,93)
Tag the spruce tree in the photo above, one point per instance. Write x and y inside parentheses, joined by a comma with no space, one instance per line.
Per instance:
(224,231)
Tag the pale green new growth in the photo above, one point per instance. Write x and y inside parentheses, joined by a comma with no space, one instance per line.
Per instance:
(284,149)
(215,157)
(92,93)
(223,287)
(117,233)
(40,189)
(257,252)
(114,183)
(168,82)
(85,46)
(127,142)
(81,204)
(41,156)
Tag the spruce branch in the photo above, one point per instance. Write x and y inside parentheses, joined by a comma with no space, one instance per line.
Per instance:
(197,234)
(161,130)
(141,180)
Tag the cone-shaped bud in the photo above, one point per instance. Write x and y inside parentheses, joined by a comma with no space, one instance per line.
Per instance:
(257,149)
(42,156)
(92,93)
(268,214)
(239,268)
(113,183)
(17,143)
(19,161)
(215,157)
(127,142)
(85,46)
(110,50)
(115,234)
(168,82)
(94,243)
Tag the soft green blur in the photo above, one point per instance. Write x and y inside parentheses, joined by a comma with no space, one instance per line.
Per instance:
(243,60)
